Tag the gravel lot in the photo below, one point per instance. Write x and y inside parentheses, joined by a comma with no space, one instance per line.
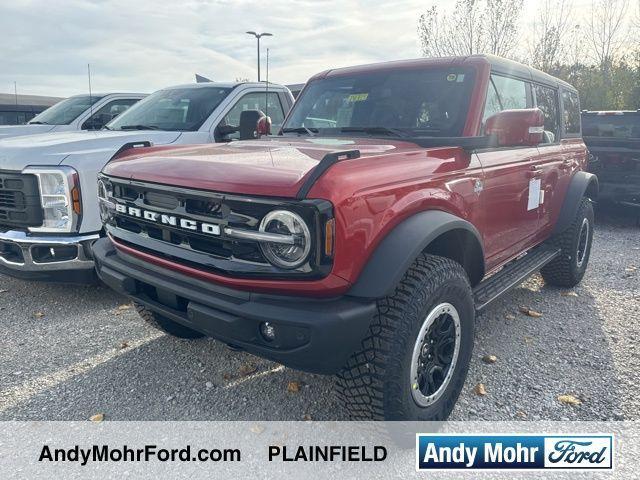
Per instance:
(71,352)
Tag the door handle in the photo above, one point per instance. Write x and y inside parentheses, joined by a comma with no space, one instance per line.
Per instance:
(535,171)
(566,164)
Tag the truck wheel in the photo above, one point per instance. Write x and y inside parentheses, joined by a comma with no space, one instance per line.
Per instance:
(414,360)
(165,324)
(569,267)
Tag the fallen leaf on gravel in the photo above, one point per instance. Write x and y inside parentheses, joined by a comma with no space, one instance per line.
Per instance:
(306,417)
(38,314)
(293,387)
(4,291)
(98,417)
(126,306)
(631,268)
(528,340)
(227,376)
(510,316)
(480,390)
(521,414)
(569,400)
(124,344)
(570,293)
(257,429)
(247,369)
(489,359)
(530,313)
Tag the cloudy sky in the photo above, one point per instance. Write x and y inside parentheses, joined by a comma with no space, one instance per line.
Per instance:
(143,45)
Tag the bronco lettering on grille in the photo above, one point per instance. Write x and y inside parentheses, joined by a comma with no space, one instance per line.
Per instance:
(171,220)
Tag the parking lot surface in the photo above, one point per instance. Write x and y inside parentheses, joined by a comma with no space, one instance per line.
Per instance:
(71,352)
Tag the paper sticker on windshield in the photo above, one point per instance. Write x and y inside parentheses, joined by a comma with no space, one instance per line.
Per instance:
(455,77)
(358,97)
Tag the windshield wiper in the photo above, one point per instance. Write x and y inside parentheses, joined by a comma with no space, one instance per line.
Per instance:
(140,127)
(309,131)
(376,130)
(38,123)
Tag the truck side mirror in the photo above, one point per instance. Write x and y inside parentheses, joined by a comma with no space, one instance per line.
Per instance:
(253,124)
(514,128)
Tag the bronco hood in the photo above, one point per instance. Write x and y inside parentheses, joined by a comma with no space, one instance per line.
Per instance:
(271,167)
(7,131)
(54,148)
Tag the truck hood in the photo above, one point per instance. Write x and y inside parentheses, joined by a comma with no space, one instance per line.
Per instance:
(270,167)
(53,148)
(7,131)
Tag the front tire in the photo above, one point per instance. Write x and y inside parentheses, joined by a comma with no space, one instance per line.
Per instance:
(569,267)
(167,325)
(414,360)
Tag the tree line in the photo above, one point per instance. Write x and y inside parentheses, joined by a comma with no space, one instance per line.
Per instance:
(596,49)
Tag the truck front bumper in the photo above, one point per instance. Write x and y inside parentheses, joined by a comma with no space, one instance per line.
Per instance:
(312,335)
(49,258)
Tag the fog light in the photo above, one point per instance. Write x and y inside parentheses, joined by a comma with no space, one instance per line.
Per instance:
(268,331)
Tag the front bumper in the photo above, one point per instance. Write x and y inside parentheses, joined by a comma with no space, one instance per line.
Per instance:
(54,258)
(312,335)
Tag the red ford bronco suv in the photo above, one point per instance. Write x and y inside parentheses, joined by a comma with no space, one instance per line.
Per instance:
(397,201)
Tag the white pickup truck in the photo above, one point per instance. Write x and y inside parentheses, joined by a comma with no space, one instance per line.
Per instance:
(49,213)
(80,112)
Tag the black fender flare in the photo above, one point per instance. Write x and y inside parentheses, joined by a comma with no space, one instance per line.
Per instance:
(399,249)
(582,184)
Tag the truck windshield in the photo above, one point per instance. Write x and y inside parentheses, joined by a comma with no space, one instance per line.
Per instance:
(175,109)
(66,111)
(429,102)
(625,125)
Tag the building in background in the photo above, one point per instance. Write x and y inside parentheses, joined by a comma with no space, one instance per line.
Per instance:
(26,107)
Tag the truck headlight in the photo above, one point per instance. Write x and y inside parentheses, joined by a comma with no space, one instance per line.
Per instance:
(291,254)
(60,199)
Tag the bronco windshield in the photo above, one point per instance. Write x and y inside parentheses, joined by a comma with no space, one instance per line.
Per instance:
(430,102)
(66,111)
(175,109)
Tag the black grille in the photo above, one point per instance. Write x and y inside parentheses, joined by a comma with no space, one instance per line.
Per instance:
(218,253)
(19,200)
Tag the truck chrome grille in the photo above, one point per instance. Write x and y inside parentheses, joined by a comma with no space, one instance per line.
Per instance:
(19,200)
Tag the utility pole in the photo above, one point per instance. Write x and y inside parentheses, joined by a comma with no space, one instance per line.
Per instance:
(15,91)
(258,35)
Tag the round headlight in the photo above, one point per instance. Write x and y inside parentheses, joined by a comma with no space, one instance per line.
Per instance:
(286,223)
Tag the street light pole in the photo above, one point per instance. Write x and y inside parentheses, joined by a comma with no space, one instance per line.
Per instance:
(258,35)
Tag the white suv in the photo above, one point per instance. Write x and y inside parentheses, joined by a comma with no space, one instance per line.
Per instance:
(80,112)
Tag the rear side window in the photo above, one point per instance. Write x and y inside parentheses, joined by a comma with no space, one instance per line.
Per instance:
(505,94)
(547,101)
(620,125)
(571,112)
(268,103)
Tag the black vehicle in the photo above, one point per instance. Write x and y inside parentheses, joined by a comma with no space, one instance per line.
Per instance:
(613,139)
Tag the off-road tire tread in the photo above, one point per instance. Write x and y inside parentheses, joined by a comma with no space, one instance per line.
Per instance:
(559,272)
(361,387)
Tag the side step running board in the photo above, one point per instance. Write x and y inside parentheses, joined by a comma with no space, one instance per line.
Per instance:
(512,275)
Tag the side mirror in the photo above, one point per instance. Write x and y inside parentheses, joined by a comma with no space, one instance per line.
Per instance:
(253,124)
(514,128)
(264,126)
